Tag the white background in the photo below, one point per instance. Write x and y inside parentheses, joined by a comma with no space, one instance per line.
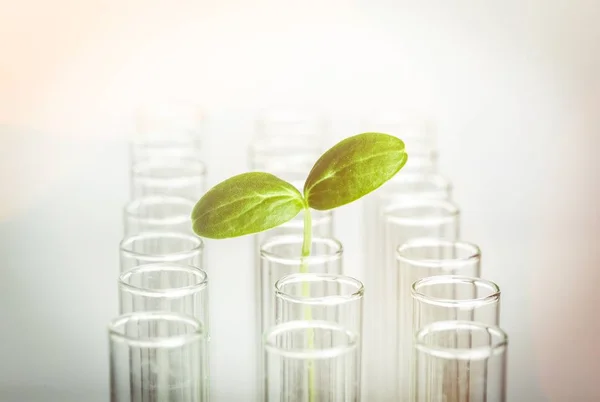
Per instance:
(514,87)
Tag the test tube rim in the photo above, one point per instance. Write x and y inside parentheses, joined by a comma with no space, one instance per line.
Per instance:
(155,342)
(450,212)
(198,247)
(316,277)
(166,293)
(159,199)
(492,297)
(473,256)
(336,253)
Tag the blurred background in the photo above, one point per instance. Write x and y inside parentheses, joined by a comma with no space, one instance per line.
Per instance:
(513,87)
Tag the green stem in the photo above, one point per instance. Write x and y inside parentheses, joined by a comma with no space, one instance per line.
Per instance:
(306,250)
(307,240)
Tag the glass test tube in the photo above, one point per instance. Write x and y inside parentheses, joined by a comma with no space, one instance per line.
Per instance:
(402,220)
(167,131)
(158,213)
(281,256)
(416,259)
(287,144)
(172,177)
(404,186)
(168,287)
(454,297)
(288,140)
(165,247)
(295,125)
(269,155)
(312,361)
(156,357)
(171,287)
(460,361)
(418,133)
(323,297)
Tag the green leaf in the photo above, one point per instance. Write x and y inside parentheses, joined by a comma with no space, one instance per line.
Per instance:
(352,169)
(245,204)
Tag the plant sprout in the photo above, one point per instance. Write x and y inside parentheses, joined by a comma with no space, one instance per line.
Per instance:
(257,201)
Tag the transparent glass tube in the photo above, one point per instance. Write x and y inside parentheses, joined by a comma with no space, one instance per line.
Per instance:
(321,223)
(172,287)
(460,361)
(169,287)
(167,131)
(404,186)
(312,361)
(400,221)
(158,213)
(288,140)
(286,159)
(156,357)
(421,161)
(454,297)
(409,185)
(322,228)
(164,247)
(417,132)
(416,259)
(173,177)
(281,256)
(295,124)
(324,297)
(164,150)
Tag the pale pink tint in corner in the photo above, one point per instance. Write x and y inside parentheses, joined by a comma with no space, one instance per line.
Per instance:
(564,280)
